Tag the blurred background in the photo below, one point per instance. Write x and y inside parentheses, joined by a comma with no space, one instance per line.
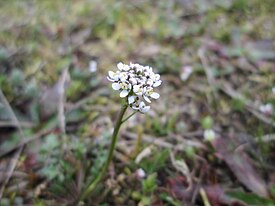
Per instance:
(209,138)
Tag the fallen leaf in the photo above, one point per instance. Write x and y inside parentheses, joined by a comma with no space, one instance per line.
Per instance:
(241,165)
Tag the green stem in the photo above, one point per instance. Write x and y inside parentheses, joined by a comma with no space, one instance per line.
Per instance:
(94,183)
(128,117)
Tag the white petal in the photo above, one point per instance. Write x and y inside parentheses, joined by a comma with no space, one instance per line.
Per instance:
(132,65)
(124,93)
(135,108)
(131,99)
(111,74)
(154,95)
(126,68)
(142,104)
(209,135)
(141,81)
(136,88)
(116,86)
(122,79)
(156,84)
(111,80)
(157,77)
(150,82)
(116,77)
(133,81)
(145,109)
(92,66)
(120,66)
(147,99)
(144,90)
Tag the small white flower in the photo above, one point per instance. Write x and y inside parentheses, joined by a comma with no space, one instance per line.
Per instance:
(209,135)
(156,79)
(137,67)
(113,76)
(157,83)
(123,76)
(150,82)
(138,90)
(116,86)
(133,81)
(149,92)
(148,72)
(266,109)
(140,173)
(123,67)
(92,66)
(132,99)
(186,72)
(125,88)
(143,108)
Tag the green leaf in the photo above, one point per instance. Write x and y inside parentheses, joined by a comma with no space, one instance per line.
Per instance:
(156,162)
(51,172)
(150,184)
(251,198)
(51,142)
(17,77)
(207,122)
(167,198)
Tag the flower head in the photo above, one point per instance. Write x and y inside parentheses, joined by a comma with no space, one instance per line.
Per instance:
(135,82)
(209,135)
(140,173)
(266,109)
(186,71)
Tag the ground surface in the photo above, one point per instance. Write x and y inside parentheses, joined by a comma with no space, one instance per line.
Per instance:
(56,116)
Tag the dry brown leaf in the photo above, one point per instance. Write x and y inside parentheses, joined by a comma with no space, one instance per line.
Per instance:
(241,165)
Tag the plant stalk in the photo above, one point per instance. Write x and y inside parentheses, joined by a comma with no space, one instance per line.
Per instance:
(94,183)
(128,117)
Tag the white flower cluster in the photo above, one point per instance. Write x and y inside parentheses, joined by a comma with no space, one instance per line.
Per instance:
(135,82)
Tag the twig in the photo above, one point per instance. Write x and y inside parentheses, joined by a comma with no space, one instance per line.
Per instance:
(82,102)
(161,143)
(266,138)
(188,142)
(202,173)
(12,124)
(250,106)
(14,160)
(28,140)
(204,197)
(208,72)
(261,117)
(62,99)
